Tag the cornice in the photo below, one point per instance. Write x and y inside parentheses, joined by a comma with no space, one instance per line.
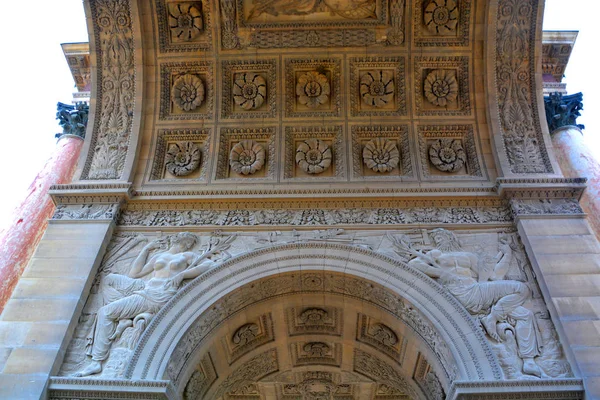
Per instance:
(85,388)
(567,389)
(90,193)
(540,188)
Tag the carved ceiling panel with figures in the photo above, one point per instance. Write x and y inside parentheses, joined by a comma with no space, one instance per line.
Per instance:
(263,92)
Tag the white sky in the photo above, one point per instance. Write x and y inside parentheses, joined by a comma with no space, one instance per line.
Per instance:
(32,54)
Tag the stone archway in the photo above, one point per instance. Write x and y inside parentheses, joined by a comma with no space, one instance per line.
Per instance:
(446,334)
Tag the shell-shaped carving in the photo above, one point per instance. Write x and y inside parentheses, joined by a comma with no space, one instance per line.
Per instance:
(377,88)
(249,90)
(441,17)
(313,156)
(182,158)
(188,92)
(441,87)
(381,155)
(312,89)
(447,155)
(247,157)
(185,21)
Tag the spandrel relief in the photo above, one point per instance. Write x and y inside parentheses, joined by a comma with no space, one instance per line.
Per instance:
(137,278)
(486,270)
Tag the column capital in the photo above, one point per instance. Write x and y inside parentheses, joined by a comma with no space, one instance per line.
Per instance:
(563,110)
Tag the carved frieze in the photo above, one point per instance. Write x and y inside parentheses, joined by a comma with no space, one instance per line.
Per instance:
(249,372)
(184,26)
(380,141)
(515,87)
(377,86)
(186,90)
(246,154)
(249,89)
(115,91)
(173,152)
(314,152)
(448,150)
(442,23)
(533,207)
(86,211)
(313,88)
(442,86)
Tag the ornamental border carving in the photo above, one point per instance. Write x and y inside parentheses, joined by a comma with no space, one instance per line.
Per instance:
(463,28)
(331,65)
(264,39)
(207,370)
(230,67)
(229,135)
(115,89)
(515,63)
(164,136)
(205,69)
(398,133)
(333,133)
(64,212)
(164,43)
(467,137)
(542,207)
(397,64)
(381,372)
(398,215)
(460,64)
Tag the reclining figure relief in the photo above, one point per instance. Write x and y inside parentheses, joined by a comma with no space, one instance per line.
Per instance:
(486,294)
(155,277)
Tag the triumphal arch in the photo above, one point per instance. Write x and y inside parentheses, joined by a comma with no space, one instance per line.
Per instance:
(316,199)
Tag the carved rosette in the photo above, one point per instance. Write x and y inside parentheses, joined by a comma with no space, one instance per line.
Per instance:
(188,92)
(441,17)
(312,89)
(249,90)
(447,155)
(313,156)
(381,155)
(377,88)
(247,157)
(182,158)
(441,87)
(185,21)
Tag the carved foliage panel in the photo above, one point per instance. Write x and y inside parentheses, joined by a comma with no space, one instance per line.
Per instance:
(115,89)
(515,84)
(448,151)
(187,91)
(173,153)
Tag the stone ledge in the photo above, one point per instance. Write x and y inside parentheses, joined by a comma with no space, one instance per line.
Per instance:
(564,389)
(84,388)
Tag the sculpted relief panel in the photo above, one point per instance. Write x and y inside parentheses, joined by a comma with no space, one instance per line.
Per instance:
(486,272)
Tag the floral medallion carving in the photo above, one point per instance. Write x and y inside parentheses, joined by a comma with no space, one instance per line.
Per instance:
(188,92)
(441,87)
(185,21)
(182,158)
(165,141)
(449,149)
(247,157)
(313,156)
(249,90)
(381,155)
(447,155)
(441,17)
(312,89)
(377,87)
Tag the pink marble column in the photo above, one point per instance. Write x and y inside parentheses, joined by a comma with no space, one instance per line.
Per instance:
(577,160)
(19,240)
